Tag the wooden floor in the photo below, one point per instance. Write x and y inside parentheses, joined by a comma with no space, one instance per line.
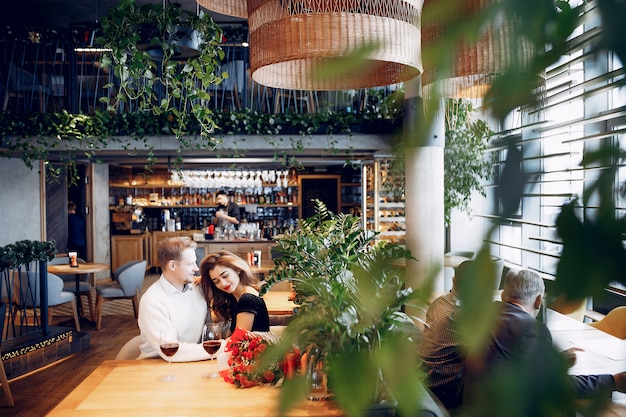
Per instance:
(37,393)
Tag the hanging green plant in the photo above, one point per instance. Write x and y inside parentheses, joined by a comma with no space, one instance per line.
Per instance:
(164,60)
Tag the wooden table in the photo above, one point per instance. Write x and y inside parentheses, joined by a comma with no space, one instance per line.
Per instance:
(132,388)
(603,353)
(278,302)
(264,269)
(81,269)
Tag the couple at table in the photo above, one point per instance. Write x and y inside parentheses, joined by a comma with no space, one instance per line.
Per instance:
(227,290)
(519,372)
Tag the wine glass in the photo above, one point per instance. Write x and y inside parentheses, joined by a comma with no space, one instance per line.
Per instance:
(168,342)
(211,342)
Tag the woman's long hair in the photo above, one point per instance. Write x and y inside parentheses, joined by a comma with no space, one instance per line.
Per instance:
(220,302)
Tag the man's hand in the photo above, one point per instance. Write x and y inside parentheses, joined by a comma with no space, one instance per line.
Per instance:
(570,355)
(620,381)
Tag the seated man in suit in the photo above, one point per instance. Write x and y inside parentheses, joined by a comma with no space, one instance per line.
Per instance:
(520,372)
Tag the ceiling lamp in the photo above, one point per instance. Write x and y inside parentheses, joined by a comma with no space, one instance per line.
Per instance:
(474,65)
(236,8)
(291,39)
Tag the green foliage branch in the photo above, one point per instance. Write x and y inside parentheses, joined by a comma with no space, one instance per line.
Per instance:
(351,297)
(24,252)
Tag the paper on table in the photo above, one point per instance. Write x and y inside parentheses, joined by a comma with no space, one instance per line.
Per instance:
(611,348)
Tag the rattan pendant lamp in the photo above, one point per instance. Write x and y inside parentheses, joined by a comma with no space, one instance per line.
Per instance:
(236,8)
(290,39)
(474,64)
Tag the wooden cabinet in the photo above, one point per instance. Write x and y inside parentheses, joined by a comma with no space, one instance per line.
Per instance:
(128,248)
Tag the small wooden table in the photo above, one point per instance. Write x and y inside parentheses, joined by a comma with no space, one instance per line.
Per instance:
(264,269)
(278,303)
(82,269)
(132,388)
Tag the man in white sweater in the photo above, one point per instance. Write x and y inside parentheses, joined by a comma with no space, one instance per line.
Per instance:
(174,301)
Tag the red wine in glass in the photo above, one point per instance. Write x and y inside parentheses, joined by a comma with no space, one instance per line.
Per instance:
(169,349)
(212,341)
(211,346)
(169,343)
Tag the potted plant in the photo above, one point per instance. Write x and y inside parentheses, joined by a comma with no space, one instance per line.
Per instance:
(350,318)
(164,59)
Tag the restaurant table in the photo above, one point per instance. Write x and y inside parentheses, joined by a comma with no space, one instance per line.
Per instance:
(278,303)
(264,269)
(132,388)
(82,269)
(603,353)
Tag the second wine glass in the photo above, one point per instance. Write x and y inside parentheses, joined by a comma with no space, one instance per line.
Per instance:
(211,342)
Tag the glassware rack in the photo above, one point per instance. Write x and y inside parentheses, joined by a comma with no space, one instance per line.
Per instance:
(384,204)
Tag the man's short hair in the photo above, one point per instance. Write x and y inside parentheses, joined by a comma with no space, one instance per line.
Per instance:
(523,286)
(172,249)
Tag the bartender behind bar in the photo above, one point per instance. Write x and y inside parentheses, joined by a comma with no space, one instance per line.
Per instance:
(227,212)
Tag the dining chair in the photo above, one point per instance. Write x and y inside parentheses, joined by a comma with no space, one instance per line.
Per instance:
(614,323)
(130,350)
(127,283)
(27,289)
(69,283)
(572,308)
(3,375)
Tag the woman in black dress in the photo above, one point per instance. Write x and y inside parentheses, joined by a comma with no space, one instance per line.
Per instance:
(229,288)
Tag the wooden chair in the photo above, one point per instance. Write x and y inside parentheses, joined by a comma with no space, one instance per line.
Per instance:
(573,308)
(5,384)
(3,376)
(127,283)
(614,323)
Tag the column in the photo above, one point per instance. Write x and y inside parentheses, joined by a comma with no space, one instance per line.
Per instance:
(424,138)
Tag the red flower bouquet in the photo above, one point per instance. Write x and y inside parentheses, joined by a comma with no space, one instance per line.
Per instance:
(245,348)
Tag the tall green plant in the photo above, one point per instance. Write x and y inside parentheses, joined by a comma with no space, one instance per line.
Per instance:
(351,296)
(466,163)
